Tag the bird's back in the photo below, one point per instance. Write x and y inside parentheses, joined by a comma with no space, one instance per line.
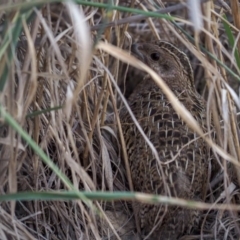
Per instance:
(183,167)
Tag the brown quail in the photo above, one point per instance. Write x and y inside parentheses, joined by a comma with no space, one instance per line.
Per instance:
(186,175)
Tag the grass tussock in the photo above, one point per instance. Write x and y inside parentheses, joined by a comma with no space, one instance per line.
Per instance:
(63,163)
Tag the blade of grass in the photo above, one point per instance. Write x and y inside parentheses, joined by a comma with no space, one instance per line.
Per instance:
(113,196)
(8,118)
(36,113)
(27,5)
(11,35)
(231,39)
(190,38)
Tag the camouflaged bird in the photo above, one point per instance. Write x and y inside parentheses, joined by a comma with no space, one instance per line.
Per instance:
(183,168)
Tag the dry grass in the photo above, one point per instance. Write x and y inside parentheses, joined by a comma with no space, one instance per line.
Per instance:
(60,127)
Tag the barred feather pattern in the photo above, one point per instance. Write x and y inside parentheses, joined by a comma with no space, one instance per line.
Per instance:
(183,168)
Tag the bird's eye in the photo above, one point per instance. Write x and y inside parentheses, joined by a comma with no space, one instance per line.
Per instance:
(155,56)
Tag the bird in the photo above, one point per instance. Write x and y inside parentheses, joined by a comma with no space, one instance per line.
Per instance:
(184,156)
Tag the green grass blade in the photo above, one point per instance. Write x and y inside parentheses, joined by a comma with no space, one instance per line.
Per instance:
(231,39)
(12,123)
(36,113)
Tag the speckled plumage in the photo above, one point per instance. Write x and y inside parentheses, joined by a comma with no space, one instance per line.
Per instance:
(186,175)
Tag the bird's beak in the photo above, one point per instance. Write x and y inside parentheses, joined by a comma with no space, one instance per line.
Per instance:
(136,51)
